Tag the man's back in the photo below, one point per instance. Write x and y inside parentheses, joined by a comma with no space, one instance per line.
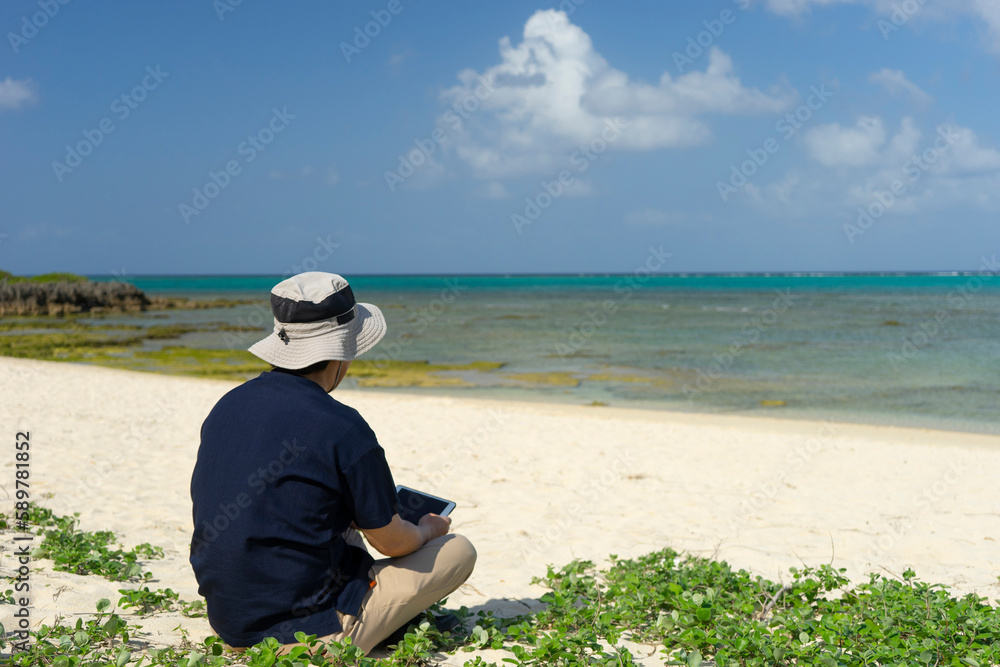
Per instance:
(283,469)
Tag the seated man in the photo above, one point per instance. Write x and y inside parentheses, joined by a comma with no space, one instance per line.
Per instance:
(285,474)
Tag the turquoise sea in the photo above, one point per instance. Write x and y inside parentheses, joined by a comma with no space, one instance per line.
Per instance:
(906,349)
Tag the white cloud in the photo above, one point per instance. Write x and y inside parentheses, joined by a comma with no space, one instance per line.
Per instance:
(495,190)
(945,169)
(651,217)
(400,54)
(306,174)
(967,156)
(15,94)
(553,93)
(990,11)
(796,7)
(896,83)
(899,13)
(42,230)
(837,146)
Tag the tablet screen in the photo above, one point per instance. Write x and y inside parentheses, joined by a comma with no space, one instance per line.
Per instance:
(414,504)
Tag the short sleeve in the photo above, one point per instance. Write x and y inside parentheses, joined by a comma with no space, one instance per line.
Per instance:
(371,491)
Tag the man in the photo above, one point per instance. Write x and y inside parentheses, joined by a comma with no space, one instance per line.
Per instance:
(285,474)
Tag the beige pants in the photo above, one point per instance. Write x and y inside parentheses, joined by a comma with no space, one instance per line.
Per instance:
(404,587)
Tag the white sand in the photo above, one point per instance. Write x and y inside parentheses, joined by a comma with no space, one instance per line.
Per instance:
(535,484)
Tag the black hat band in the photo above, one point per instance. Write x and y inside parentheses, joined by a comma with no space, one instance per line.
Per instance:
(339,305)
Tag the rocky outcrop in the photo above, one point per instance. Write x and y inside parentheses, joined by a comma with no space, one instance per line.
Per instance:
(58,298)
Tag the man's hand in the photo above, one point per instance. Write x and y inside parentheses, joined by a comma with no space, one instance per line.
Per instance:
(401,537)
(432,525)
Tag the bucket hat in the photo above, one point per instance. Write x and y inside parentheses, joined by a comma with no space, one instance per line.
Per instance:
(316,318)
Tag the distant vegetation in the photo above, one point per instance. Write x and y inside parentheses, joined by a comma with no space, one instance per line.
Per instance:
(8,277)
(61,294)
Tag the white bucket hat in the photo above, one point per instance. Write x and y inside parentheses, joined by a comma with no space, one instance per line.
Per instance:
(317,319)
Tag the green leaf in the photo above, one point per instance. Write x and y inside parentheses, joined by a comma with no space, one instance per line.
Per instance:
(694,659)
(703,614)
(804,638)
(122,658)
(103,604)
(81,638)
(113,625)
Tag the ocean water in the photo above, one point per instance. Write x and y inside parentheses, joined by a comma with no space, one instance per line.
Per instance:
(913,350)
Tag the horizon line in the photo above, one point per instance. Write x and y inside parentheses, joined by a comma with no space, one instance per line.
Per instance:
(571,274)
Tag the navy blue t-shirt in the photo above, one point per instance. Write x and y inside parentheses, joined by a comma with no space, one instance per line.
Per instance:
(283,469)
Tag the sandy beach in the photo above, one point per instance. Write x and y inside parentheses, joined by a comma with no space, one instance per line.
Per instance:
(535,484)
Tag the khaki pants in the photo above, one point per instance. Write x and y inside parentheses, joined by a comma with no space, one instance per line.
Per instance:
(404,587)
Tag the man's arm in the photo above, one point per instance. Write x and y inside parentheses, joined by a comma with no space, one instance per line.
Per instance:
(401,537)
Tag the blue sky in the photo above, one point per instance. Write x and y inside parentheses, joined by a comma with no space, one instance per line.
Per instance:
(474,137)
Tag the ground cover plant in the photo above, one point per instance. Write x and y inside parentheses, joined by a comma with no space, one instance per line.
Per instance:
(147,602)
(691,611)
(83,552)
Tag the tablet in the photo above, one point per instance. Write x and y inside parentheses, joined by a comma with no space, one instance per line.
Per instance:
(414,504)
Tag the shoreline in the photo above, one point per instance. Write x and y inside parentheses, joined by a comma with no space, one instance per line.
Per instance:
(640,407)
(644,407)
(859,353)
(535,483)
(791,424)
